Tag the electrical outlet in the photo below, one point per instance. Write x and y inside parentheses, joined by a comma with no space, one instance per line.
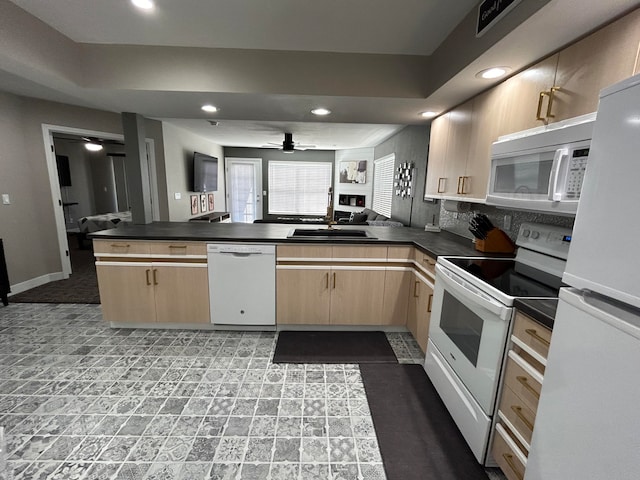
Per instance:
(507,222)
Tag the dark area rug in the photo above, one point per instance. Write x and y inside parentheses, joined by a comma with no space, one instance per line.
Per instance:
(80,287)
(333,347)
(418,438)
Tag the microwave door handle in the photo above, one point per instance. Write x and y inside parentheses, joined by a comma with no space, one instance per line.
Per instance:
(558,159)
(471,293)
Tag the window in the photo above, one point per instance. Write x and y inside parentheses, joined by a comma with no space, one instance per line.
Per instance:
(383,184)
(299,188)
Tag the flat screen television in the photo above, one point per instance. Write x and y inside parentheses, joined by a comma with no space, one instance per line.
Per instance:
(205,173)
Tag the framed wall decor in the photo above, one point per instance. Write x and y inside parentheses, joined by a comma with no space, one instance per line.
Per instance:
(210,197)
(403,180)
(194,204)
(203,202)
(353,171)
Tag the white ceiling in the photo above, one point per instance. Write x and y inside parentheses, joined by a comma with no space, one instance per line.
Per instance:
(404,27)
(390,61)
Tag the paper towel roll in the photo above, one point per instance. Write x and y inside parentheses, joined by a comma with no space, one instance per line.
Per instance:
(455,206)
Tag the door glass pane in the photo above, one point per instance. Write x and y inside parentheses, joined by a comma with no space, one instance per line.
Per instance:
(462,326)
(242,179)
(529,177)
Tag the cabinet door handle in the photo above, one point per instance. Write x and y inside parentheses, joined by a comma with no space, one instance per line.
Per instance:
(327,283)
(459,189)
(415,289)
(552,92)
(518,411)
(464,185)
(430,302)
(509,459)
(525,383)
(442,184)
(334,280)
(535,335)
(539,111)
(155,276)
(147,275)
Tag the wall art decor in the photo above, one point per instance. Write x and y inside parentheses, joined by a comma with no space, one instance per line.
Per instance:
(210,197)
(403,180)
(194,204)
(353,171)
(203,202)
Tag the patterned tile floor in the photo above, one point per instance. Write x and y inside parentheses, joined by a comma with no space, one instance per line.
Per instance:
(79,400)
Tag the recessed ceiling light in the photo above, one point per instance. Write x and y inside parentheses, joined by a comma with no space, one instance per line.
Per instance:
(320,111)
(209,108)
(429,114)
(143,4)
(93,147)
(494,72)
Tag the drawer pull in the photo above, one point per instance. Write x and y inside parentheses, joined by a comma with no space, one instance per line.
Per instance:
(535,335)
(518,411)
(178,246)
(509,459)
(147,274)
(525,383)
(120,245)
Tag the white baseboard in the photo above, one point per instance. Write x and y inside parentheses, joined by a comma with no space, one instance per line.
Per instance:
(36,282)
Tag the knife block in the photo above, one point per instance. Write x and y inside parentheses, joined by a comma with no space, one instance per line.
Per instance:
(496,242)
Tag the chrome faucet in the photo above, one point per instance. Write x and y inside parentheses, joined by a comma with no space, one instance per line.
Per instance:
(329,217)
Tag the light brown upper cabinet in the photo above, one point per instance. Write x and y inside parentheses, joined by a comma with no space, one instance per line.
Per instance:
(564,85)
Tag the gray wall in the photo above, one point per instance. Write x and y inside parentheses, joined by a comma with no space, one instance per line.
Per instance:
(267,154)
(27,226)
(411,144)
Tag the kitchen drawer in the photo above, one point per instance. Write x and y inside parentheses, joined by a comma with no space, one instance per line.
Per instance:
(314,252)
(121,247)
(522,383)
(518,413)
(358,251)
(400,253)
(179,248)
(425,261)
(532,334)
(506,453)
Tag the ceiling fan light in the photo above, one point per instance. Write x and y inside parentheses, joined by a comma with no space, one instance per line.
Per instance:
(321,111)
(93,147)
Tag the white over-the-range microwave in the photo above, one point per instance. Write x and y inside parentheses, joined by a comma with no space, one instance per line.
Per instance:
(541,169)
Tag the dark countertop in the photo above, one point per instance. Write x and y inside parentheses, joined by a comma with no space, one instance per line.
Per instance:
(541,310)
(434,244)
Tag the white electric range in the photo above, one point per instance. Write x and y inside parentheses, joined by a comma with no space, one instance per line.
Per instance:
(471,319)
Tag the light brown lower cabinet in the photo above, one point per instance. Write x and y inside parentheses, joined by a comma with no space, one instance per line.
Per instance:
(419,315)
(138,292)
(329,296)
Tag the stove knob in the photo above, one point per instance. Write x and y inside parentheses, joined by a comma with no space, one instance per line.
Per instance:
(535,234)
(525,233)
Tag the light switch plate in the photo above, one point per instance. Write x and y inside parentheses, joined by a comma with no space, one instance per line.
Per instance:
(177,195)
(5,199)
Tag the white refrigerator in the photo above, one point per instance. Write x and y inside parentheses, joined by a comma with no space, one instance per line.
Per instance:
(588,420)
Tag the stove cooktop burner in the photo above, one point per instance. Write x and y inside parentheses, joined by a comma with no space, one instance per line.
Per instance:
(510,277)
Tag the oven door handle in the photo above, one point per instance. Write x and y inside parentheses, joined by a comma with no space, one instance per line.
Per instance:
(457,285)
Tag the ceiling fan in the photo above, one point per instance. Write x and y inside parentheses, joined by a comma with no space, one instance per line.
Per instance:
(288,145)
(95,143)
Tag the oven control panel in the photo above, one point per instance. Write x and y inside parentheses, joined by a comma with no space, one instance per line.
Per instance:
(548,239)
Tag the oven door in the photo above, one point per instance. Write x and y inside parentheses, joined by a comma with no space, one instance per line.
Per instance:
(469,328)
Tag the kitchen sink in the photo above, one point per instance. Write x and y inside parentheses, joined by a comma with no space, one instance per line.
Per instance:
(333,234)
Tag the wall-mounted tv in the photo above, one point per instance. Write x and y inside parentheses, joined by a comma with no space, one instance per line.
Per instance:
(205,173)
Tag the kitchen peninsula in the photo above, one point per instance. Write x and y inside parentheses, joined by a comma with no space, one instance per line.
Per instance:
(157,275)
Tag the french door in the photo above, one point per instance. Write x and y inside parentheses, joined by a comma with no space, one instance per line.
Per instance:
(244,189)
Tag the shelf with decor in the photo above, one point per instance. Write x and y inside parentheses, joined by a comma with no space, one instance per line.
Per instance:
(351,200)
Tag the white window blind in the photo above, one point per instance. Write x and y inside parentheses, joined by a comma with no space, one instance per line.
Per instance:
(299,188)
(383,184)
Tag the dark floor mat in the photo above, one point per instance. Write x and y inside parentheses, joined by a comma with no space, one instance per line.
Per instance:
(333,347)
(418,438)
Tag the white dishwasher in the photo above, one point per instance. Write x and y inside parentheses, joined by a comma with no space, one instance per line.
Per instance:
(242,284)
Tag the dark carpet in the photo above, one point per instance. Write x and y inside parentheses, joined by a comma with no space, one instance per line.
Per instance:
(418,438)
(333,347)
(80,287)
